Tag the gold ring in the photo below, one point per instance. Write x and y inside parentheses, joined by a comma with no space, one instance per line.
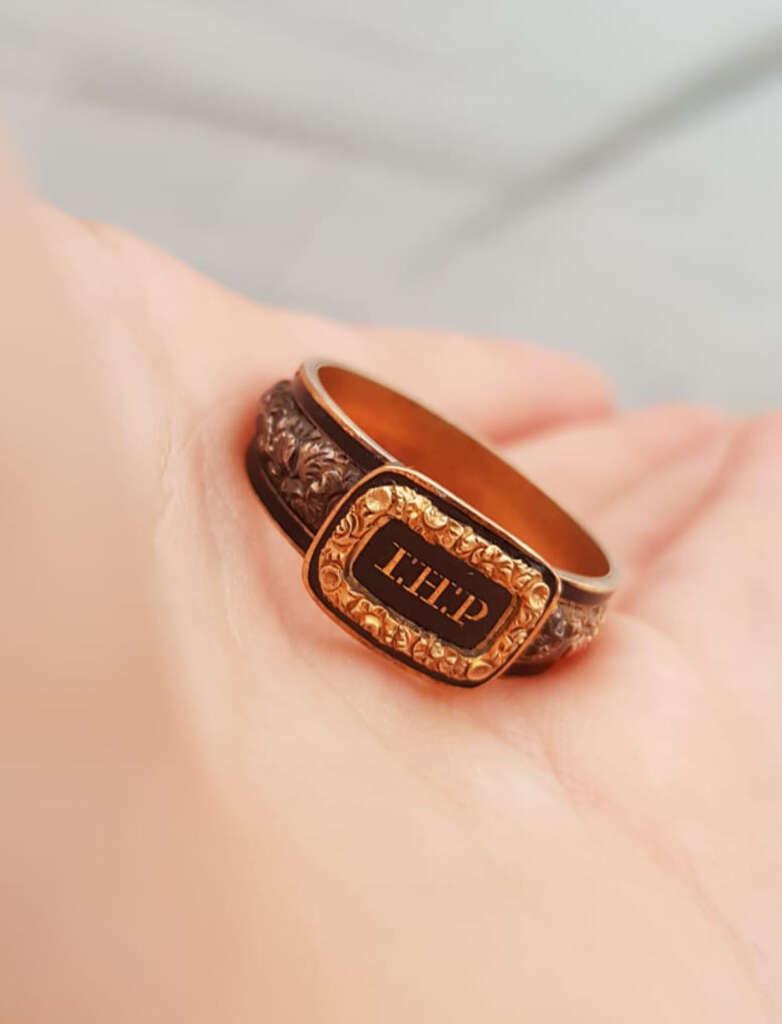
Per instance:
(419,539)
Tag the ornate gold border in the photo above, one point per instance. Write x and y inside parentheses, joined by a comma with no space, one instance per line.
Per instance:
(368,512)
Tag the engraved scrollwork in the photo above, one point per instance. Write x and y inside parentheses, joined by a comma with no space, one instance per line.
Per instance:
(569,629)
(309,470)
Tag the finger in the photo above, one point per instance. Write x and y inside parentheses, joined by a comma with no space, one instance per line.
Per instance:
(224,344)
(504,389)
(589,467)
(716,585)
(631,478)
(647,518)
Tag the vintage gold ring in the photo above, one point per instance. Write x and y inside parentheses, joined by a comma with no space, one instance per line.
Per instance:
(419,539)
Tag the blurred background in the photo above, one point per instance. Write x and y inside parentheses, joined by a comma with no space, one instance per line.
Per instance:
(601,177)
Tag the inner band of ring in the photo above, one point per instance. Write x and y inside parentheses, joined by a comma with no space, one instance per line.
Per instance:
(318,434)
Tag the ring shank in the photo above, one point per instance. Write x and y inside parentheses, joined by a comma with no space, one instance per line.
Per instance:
(414,436)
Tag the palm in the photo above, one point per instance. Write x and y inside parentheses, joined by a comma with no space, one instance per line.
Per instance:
(308,834)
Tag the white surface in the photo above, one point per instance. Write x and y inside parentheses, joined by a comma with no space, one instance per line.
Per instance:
(603,178)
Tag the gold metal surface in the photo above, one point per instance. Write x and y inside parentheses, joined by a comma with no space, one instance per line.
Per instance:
(322,435)
(354,522)
(403,431)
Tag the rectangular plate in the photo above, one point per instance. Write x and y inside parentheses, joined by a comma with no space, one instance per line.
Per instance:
(427,580)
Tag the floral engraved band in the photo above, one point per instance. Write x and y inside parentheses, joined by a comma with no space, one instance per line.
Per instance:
(417,538)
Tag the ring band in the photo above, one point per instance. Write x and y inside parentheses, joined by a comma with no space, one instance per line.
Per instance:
(418,538)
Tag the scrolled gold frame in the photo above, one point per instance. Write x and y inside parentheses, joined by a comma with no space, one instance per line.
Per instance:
(351,525)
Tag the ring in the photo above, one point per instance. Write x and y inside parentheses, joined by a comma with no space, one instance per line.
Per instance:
(419,539)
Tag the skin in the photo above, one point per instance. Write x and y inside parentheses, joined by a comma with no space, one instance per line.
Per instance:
(217,806)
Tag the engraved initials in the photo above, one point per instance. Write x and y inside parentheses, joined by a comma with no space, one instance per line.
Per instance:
(468,603)
(436,589)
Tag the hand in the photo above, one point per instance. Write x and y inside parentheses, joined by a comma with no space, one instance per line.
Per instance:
(220,807)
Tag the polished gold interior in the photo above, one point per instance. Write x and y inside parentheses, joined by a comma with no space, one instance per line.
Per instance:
(419,438)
